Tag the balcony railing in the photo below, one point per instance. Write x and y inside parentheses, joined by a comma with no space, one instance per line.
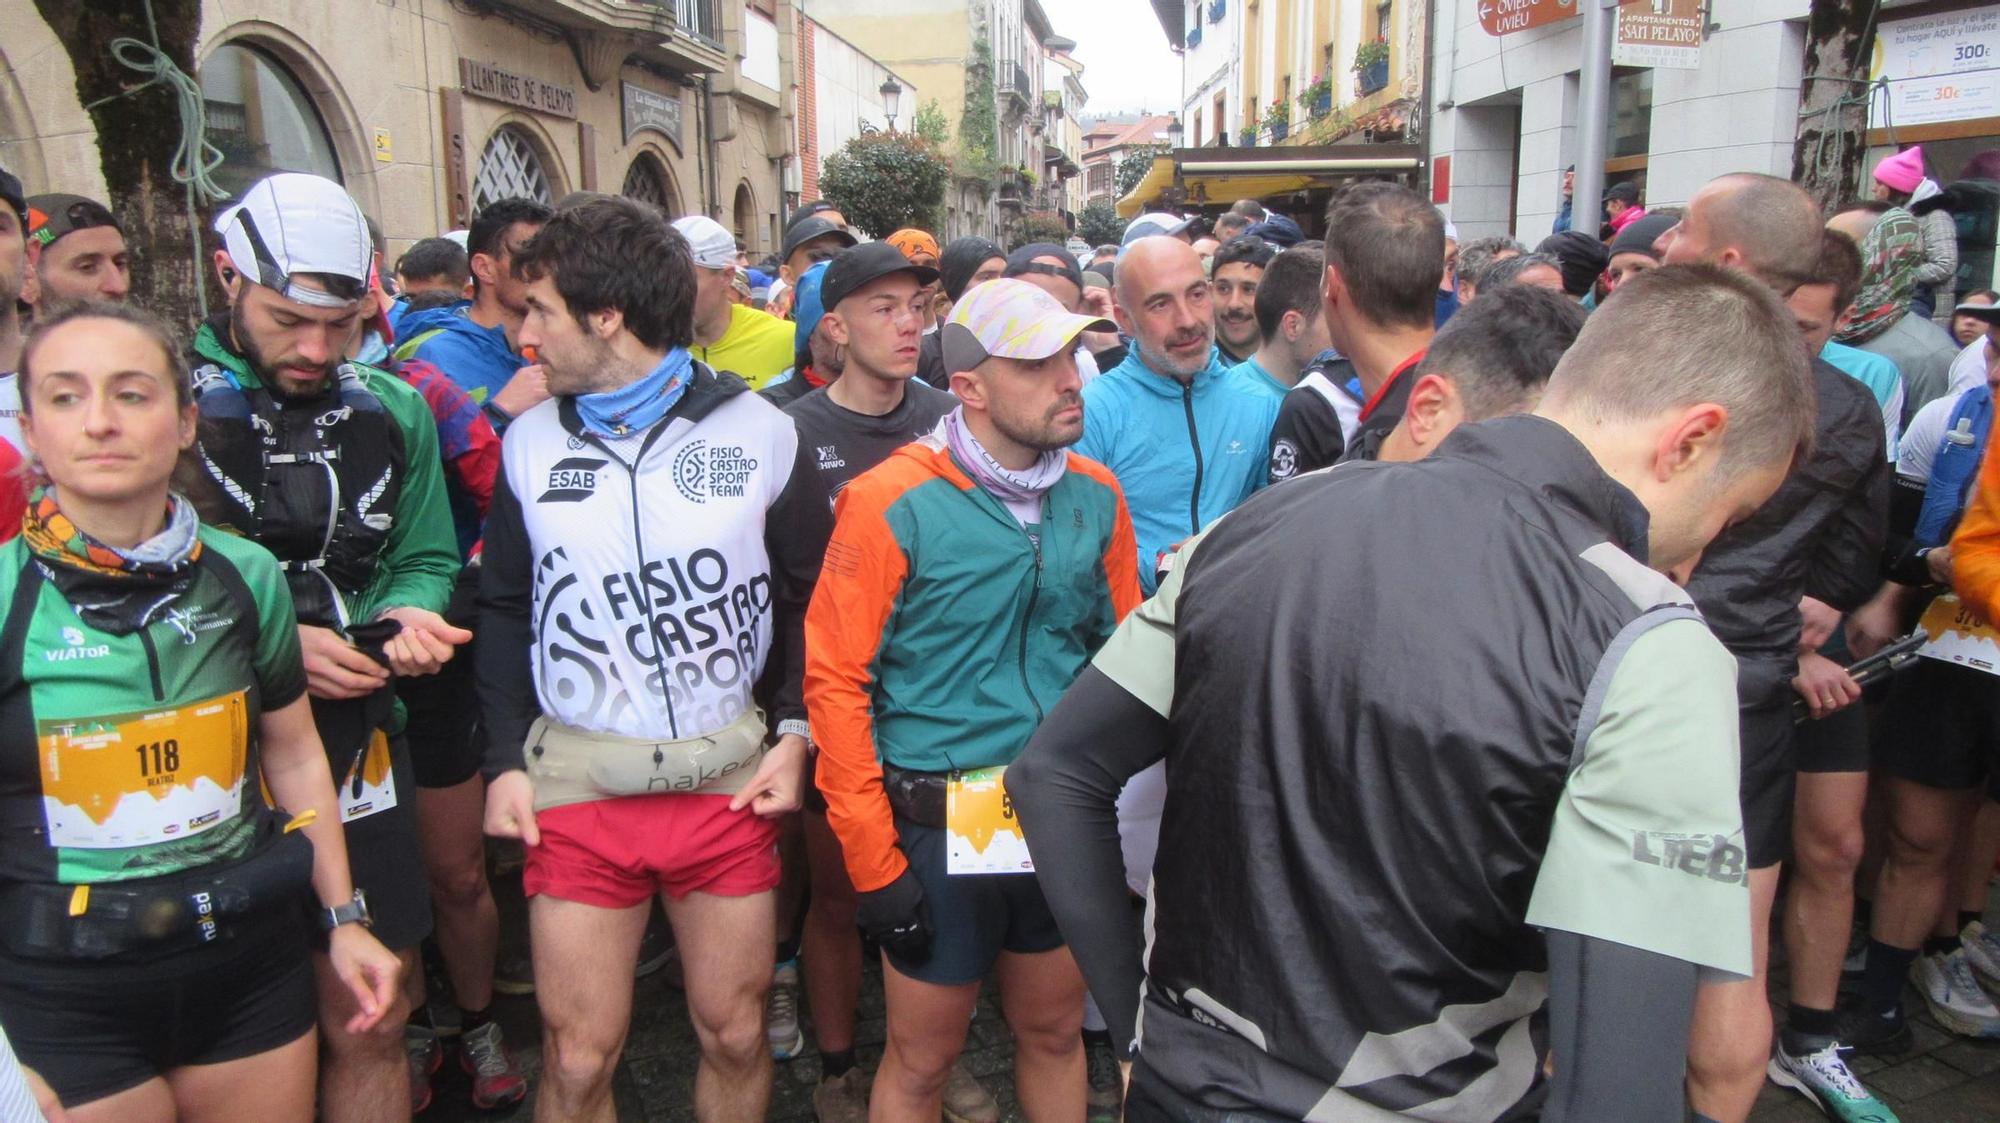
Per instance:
(697,18)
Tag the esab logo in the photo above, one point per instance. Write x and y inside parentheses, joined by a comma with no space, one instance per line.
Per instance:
(702,470)
(572,479)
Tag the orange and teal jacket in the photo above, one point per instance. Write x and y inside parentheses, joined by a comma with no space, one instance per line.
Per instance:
(942,631)
(1975,546)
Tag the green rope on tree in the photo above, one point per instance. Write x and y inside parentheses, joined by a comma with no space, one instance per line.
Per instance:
(194,157)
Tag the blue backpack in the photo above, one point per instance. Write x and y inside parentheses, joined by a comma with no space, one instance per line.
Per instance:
(1956,466)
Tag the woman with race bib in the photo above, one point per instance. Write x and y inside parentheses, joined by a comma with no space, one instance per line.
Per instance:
(160,908)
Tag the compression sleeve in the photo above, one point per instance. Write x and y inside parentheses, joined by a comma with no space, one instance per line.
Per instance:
(796,529)
(1618,1031)
(1065,789)
(1900,562)
(502,655)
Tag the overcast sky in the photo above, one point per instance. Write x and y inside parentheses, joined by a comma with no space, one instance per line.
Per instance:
(1127,63)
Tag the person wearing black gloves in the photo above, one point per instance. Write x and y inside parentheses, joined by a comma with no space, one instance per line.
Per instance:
(970,576)
(1391,850)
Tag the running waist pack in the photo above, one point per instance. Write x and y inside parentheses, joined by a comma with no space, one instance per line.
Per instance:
(568,765)
(916,796)
(156,916)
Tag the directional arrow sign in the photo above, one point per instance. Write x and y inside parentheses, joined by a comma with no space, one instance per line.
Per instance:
(1504,17)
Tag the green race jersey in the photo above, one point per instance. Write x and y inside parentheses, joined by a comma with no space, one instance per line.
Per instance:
(136,756)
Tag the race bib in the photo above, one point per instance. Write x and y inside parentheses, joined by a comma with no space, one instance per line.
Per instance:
(140,778)
(981,833)
(1960,636)
(370,784)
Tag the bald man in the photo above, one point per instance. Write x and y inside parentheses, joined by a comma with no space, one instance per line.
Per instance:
(1772,588)
(1183,433)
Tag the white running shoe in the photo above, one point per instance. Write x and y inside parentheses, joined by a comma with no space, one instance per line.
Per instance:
(1952,991)
(1824,1078)
(1982,950)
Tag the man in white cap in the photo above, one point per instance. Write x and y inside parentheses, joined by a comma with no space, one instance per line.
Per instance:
(333,466)
(753,345)
(984,554)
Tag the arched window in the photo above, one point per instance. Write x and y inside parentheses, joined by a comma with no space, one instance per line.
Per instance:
(646,181)
(261,119)
(745,215)
(510,168)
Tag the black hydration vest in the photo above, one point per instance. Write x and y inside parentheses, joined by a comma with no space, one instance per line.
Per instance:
(315,481)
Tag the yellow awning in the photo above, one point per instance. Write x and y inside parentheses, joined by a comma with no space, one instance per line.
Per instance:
(1157,179)
(1224,181)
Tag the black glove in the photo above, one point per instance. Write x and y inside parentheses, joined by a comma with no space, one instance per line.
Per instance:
(897,918)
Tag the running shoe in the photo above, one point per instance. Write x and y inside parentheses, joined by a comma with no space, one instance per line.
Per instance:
(781,1013)
(1823,1077)
(426,1057)
(1951,990)
(1982,950)
(497,1081)
(1104,1089)
(966,1100)
(843,1099)
(1876,1031)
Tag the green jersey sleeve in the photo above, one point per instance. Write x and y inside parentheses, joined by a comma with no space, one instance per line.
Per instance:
(1139,656)
(420,561)
(1646,848)
(280,669)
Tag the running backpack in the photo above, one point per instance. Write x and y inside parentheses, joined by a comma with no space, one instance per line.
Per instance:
(1956,466)
(316,483)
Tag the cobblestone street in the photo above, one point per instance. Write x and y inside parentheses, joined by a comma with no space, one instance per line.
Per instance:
(1943,1079)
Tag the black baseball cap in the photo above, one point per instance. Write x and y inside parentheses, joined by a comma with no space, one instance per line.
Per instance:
(1627,192)
(1023,261)
(16,199)
(857,266)
(52,216)
(799,233)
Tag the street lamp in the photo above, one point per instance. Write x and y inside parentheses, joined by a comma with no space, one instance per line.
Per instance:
(892,93)
(1174,133)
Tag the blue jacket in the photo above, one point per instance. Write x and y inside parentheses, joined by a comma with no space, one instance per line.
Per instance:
(1185,455)
(476,358)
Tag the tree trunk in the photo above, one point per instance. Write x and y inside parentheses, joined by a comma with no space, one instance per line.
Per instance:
(1833,107)
(136,138)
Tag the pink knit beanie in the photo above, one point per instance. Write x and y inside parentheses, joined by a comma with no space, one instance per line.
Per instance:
(1903,171)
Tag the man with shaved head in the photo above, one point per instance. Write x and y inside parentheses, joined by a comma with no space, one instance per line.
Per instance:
(1759,224)
(1773,588)
(1183,432)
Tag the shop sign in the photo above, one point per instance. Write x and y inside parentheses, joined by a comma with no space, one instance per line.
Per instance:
(1504,17)
(645,109)
(1663,34)
(495,83)
(1939,68)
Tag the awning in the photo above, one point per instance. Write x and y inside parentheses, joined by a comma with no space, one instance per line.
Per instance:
(1253,173)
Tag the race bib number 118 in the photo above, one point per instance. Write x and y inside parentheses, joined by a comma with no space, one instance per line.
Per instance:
(141,778)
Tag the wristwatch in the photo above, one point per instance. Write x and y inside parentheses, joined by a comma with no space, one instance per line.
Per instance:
(353,912)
